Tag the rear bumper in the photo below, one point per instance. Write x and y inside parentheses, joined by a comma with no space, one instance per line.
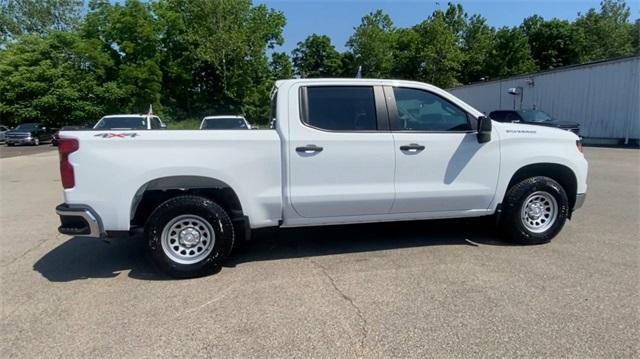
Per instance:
(79,220)
(580,198)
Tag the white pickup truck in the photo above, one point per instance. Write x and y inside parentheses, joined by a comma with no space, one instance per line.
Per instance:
(341,151)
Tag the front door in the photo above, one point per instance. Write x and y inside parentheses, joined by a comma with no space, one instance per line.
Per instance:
(341,162)
(440,166)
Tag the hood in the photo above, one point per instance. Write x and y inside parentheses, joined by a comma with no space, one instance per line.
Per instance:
(522,130)
(25,132)
(561,124)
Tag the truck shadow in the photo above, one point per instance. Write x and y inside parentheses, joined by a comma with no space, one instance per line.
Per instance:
(83,258)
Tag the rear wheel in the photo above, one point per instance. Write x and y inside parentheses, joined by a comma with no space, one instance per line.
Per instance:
(535,210)
(189,236)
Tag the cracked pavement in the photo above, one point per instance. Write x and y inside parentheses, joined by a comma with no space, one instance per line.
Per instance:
(419,289)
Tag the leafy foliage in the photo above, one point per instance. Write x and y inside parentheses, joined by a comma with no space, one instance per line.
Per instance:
(373,45)
(22,17)
(316,57)
(553,43)
(66,64)
(607,33)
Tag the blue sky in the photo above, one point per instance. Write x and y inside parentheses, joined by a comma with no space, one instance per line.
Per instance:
(337,18)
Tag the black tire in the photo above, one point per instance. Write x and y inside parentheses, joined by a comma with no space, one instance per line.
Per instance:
(514,226)
(177,207)
(9,144)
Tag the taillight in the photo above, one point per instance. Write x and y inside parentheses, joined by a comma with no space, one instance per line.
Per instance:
(67,146)
(579,145)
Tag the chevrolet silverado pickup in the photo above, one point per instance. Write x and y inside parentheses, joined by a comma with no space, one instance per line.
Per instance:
(341,151)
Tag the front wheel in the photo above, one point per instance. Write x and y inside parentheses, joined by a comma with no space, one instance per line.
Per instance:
(535,210)
(189,236)
(36,142)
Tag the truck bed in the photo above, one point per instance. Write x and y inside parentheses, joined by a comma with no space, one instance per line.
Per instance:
(112,166)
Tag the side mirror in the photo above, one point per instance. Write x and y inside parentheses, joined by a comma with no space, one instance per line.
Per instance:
(484,129)
(163,126)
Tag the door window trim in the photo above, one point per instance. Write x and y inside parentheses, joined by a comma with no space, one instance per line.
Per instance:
(380,106)
(394,115)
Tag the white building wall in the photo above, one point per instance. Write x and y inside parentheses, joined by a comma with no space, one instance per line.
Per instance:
(603,97)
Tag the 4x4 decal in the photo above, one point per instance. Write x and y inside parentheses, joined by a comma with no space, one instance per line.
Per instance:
(116,135)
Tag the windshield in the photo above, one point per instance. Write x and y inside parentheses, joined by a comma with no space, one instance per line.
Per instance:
(133,123)
(535,116)
(227,123)
(27,126)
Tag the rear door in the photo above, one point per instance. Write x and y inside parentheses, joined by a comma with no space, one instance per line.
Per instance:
(440,166)
(341,156)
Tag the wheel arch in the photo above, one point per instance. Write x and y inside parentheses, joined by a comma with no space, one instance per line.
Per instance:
(560,173)
(158,190)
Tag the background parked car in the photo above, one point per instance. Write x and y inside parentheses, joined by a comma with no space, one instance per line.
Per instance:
(3,130)
(225,123)
(130,122)
(534,117)
(29,133)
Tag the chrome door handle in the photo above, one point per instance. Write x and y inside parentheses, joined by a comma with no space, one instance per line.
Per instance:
(413,147)
(309,149)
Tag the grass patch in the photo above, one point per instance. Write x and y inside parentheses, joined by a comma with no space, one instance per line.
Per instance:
(188,124)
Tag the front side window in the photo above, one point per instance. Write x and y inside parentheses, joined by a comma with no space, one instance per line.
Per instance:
(341,108)
(155,123)
(420,110)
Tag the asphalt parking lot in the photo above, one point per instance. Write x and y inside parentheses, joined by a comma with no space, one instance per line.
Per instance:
(24,150)
(421,289)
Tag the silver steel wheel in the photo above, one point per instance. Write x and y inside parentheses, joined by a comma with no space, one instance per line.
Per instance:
(187,239)
(539,211)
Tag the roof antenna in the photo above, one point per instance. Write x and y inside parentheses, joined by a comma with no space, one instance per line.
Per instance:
(359,74)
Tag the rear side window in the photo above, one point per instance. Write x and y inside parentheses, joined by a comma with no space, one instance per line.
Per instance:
(341,108)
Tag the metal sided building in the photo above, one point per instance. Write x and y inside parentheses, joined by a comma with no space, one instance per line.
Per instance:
(604,97)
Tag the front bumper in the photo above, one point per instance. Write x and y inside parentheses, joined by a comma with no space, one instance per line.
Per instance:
(79,220)
(20,141)
(580,198)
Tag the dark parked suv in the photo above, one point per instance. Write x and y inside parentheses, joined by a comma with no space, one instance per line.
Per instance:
(534,117)
(29,133)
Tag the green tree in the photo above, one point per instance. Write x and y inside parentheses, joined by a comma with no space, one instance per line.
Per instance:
(20,17)
(455,18)
(52,79)
(553,43)
(316,57)
(607,33)
(214,58)
(127,34)
(511,54)
(635,37)
(406,60)
(280,66)
(477,43)
(439,56)
(373,45)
